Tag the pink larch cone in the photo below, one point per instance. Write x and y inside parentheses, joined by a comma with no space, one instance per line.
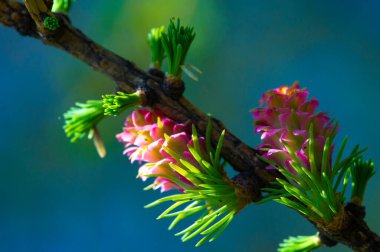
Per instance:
(145,135)
(285,122)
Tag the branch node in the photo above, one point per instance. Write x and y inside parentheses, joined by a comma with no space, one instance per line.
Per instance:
(249,185)
(148,96)
(173,87)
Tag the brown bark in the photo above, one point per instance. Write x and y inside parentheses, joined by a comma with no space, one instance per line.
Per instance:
(353,231)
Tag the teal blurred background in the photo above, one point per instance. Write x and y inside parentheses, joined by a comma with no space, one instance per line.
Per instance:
(57,196)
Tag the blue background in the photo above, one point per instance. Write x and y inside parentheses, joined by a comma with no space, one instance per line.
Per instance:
(57,196)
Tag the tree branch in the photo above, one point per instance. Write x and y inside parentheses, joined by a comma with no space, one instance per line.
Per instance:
(129,77)
(355,233)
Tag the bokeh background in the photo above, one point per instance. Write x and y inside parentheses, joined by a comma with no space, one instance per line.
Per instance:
(57,196)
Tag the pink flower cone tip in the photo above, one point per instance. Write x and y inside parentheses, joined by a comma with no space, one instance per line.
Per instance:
(285,122)
(145,135)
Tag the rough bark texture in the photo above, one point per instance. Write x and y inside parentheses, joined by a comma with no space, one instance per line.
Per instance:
(354,233)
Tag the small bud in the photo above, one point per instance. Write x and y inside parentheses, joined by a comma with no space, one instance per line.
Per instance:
(51,23)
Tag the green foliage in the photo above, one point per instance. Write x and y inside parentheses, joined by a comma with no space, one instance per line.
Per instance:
(176,43)
(212,198)
(62,6)
(51,23)
(114,104)
(157,53)
(300,244)
(361,172)
(81,120)
(317,194)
